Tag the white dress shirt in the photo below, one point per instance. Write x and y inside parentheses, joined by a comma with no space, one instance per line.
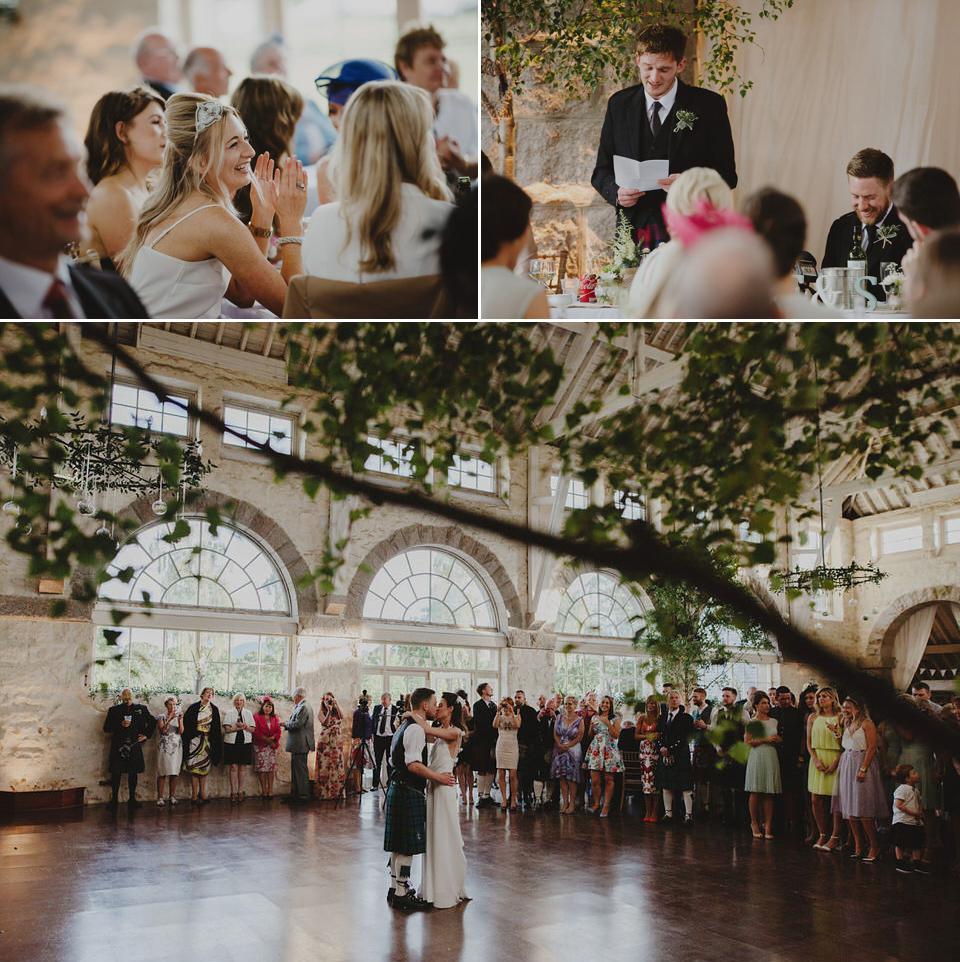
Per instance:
(666,103)
(27,287)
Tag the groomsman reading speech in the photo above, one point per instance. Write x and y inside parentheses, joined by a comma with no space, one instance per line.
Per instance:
(661,118)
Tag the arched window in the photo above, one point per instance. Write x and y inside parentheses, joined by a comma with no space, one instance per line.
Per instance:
(203,569)
(430,619)
(430,586)
(212,608)
(598,604)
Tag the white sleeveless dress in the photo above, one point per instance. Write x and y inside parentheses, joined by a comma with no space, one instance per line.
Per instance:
(444,864)
(172,288)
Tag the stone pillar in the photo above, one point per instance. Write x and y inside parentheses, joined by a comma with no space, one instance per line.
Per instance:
(529,661)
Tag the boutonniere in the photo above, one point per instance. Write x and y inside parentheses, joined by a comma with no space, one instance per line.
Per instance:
(685,119)
(886,234)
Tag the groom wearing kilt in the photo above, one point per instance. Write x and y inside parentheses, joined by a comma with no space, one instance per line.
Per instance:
(405,828)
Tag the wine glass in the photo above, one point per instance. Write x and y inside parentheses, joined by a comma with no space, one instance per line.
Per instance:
(542,272)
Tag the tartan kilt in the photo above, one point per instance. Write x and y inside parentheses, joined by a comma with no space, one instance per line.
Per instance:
(405,824)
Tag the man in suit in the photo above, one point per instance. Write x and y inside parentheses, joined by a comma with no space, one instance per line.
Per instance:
(874,218)
(42,196)
(528,740)
(300,742)
(661,118)
(157,60)
(483,743)
(730,720)
(674,772)
(384,726)
(129,726)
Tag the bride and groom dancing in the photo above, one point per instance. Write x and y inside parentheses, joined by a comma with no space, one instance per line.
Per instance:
(429,825)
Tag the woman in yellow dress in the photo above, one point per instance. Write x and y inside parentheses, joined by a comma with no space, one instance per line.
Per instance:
(823,743)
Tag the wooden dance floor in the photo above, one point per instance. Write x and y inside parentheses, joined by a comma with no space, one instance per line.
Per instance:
(260,882)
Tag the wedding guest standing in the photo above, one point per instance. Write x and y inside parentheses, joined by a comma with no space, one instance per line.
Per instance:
(125,142)
(330,771)
(661,118)
(874,219)
(463,767)
(567,753)
(645,735)
(202,743)
(603,759)
(860,795)
(674,771)
(266,741)
(483,741)
(238,744)
(508,724)
(824,746)
(384,725)
(762,778)
(129,726)
(170,749)
(300,743)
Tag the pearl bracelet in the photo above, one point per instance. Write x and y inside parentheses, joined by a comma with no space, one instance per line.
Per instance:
(280,241)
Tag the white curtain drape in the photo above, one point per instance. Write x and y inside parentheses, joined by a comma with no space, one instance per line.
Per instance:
(833,76)
(909,644)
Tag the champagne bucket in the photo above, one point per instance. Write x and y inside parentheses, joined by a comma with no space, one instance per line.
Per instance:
(842,280)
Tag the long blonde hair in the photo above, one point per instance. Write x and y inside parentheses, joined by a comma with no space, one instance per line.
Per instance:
(385,141)
(188,160)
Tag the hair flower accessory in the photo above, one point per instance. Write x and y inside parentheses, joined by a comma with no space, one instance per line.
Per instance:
(208,112)
(685,119)
(688,228)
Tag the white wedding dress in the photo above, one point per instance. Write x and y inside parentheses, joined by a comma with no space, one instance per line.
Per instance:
(444,864)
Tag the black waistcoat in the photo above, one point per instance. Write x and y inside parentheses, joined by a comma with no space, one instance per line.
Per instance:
(398,763)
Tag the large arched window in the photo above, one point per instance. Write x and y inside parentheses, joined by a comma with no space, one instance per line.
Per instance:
(430,586)
(211,608)
(598,604)
(430,619)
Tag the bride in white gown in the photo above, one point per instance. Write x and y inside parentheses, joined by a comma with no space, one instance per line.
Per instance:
(444,864)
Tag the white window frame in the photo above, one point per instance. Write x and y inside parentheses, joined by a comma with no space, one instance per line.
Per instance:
(188,393)
(892,531)
(235,448)
(630,503)
(577,492)
(463,467)
(385,470)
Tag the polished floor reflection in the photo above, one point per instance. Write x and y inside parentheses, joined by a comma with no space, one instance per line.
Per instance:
(260,882)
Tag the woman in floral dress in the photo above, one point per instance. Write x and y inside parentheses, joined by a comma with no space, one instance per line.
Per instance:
(567,753)
(266,739)
(603,758)
(330,771)
(202,743)
(646,735)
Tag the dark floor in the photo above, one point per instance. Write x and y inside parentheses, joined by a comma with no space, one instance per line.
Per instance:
(259,882)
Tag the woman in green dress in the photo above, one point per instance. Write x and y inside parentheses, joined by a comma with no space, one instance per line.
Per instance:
(823,743)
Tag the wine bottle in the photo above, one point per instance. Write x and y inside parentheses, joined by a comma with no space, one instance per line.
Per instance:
(857,258)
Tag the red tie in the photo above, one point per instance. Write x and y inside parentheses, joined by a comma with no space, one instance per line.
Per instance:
(57,302)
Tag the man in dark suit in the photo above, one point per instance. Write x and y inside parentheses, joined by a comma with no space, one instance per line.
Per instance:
(42,196)
(129,726)
(384,726)
(483,743)
(674,773)
(874,218)
(661,118)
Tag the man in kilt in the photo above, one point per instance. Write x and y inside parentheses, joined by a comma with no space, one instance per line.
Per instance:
(405,830)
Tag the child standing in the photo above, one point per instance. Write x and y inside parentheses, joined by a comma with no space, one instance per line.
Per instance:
(908,820)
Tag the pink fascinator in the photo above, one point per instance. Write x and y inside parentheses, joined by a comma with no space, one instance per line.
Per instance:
(208,112)
(689,228)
